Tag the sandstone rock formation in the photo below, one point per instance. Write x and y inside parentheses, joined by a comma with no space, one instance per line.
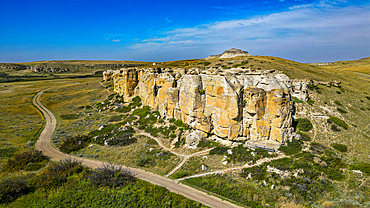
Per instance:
(231,53)
(234,105)
(300,88)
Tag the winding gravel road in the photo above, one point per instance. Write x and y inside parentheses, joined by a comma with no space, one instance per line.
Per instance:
(44,144)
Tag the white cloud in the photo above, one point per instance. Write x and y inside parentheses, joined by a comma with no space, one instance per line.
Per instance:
(305,33)
(167,20)
(116,40)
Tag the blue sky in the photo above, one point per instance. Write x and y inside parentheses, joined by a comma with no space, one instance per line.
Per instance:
(301,30)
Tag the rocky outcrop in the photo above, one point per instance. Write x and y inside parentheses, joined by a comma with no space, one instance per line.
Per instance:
(234,105)
(300,89)
(231,53)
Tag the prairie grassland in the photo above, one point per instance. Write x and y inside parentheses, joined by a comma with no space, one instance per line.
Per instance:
(20,120)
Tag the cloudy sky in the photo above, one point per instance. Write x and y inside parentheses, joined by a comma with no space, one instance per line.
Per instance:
(300,30)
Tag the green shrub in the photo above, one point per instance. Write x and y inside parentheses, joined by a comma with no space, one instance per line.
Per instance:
(304,137)
(257,172)
(311,102)
(180,174)
(110,175)
(337,102)
(341,110)
(75,143)
(367,97)
(202,91)
(145,162)
(122,141)
(136,102)
(292,147)
(143,112)
(56,174)
(7,152)
(317,148)
(334,128)
(116,118)
(124,109)
(207,143)
(312,87)
(20,161)
(11,189)
(339,122)
(283,163)
(34,166)
(220,150)
(340,147)
(179,123)
(304,124)
(68,116)
(364,167)
(296,100)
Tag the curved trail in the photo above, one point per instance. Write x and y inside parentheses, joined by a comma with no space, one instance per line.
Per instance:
(44,144)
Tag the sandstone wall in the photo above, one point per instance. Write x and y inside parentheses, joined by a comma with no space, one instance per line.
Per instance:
(234,105)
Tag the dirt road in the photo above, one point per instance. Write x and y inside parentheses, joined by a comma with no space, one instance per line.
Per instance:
(44,144)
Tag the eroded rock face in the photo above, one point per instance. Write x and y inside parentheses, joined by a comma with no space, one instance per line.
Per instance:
(234,105)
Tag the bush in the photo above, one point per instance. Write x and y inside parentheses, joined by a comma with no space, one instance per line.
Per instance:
(311,102)
(7,152)
(220,150)
(304,124)
(136,102)
(283,163)
(110,175)
(337,102)
(312,87)
(146,161)
(11,189)
(317,148)
(20,161)
(341,110)
(34,166)
(56,174)
(123,141)
(340,147)
(364,167)
(257,172)
(202,91)
(207,143)
(181,174)
(296,100)
(292,147)
(338,121)
(124,109)
(75,143)
(334,128)
(304,137)
(143,112)
(68,116)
